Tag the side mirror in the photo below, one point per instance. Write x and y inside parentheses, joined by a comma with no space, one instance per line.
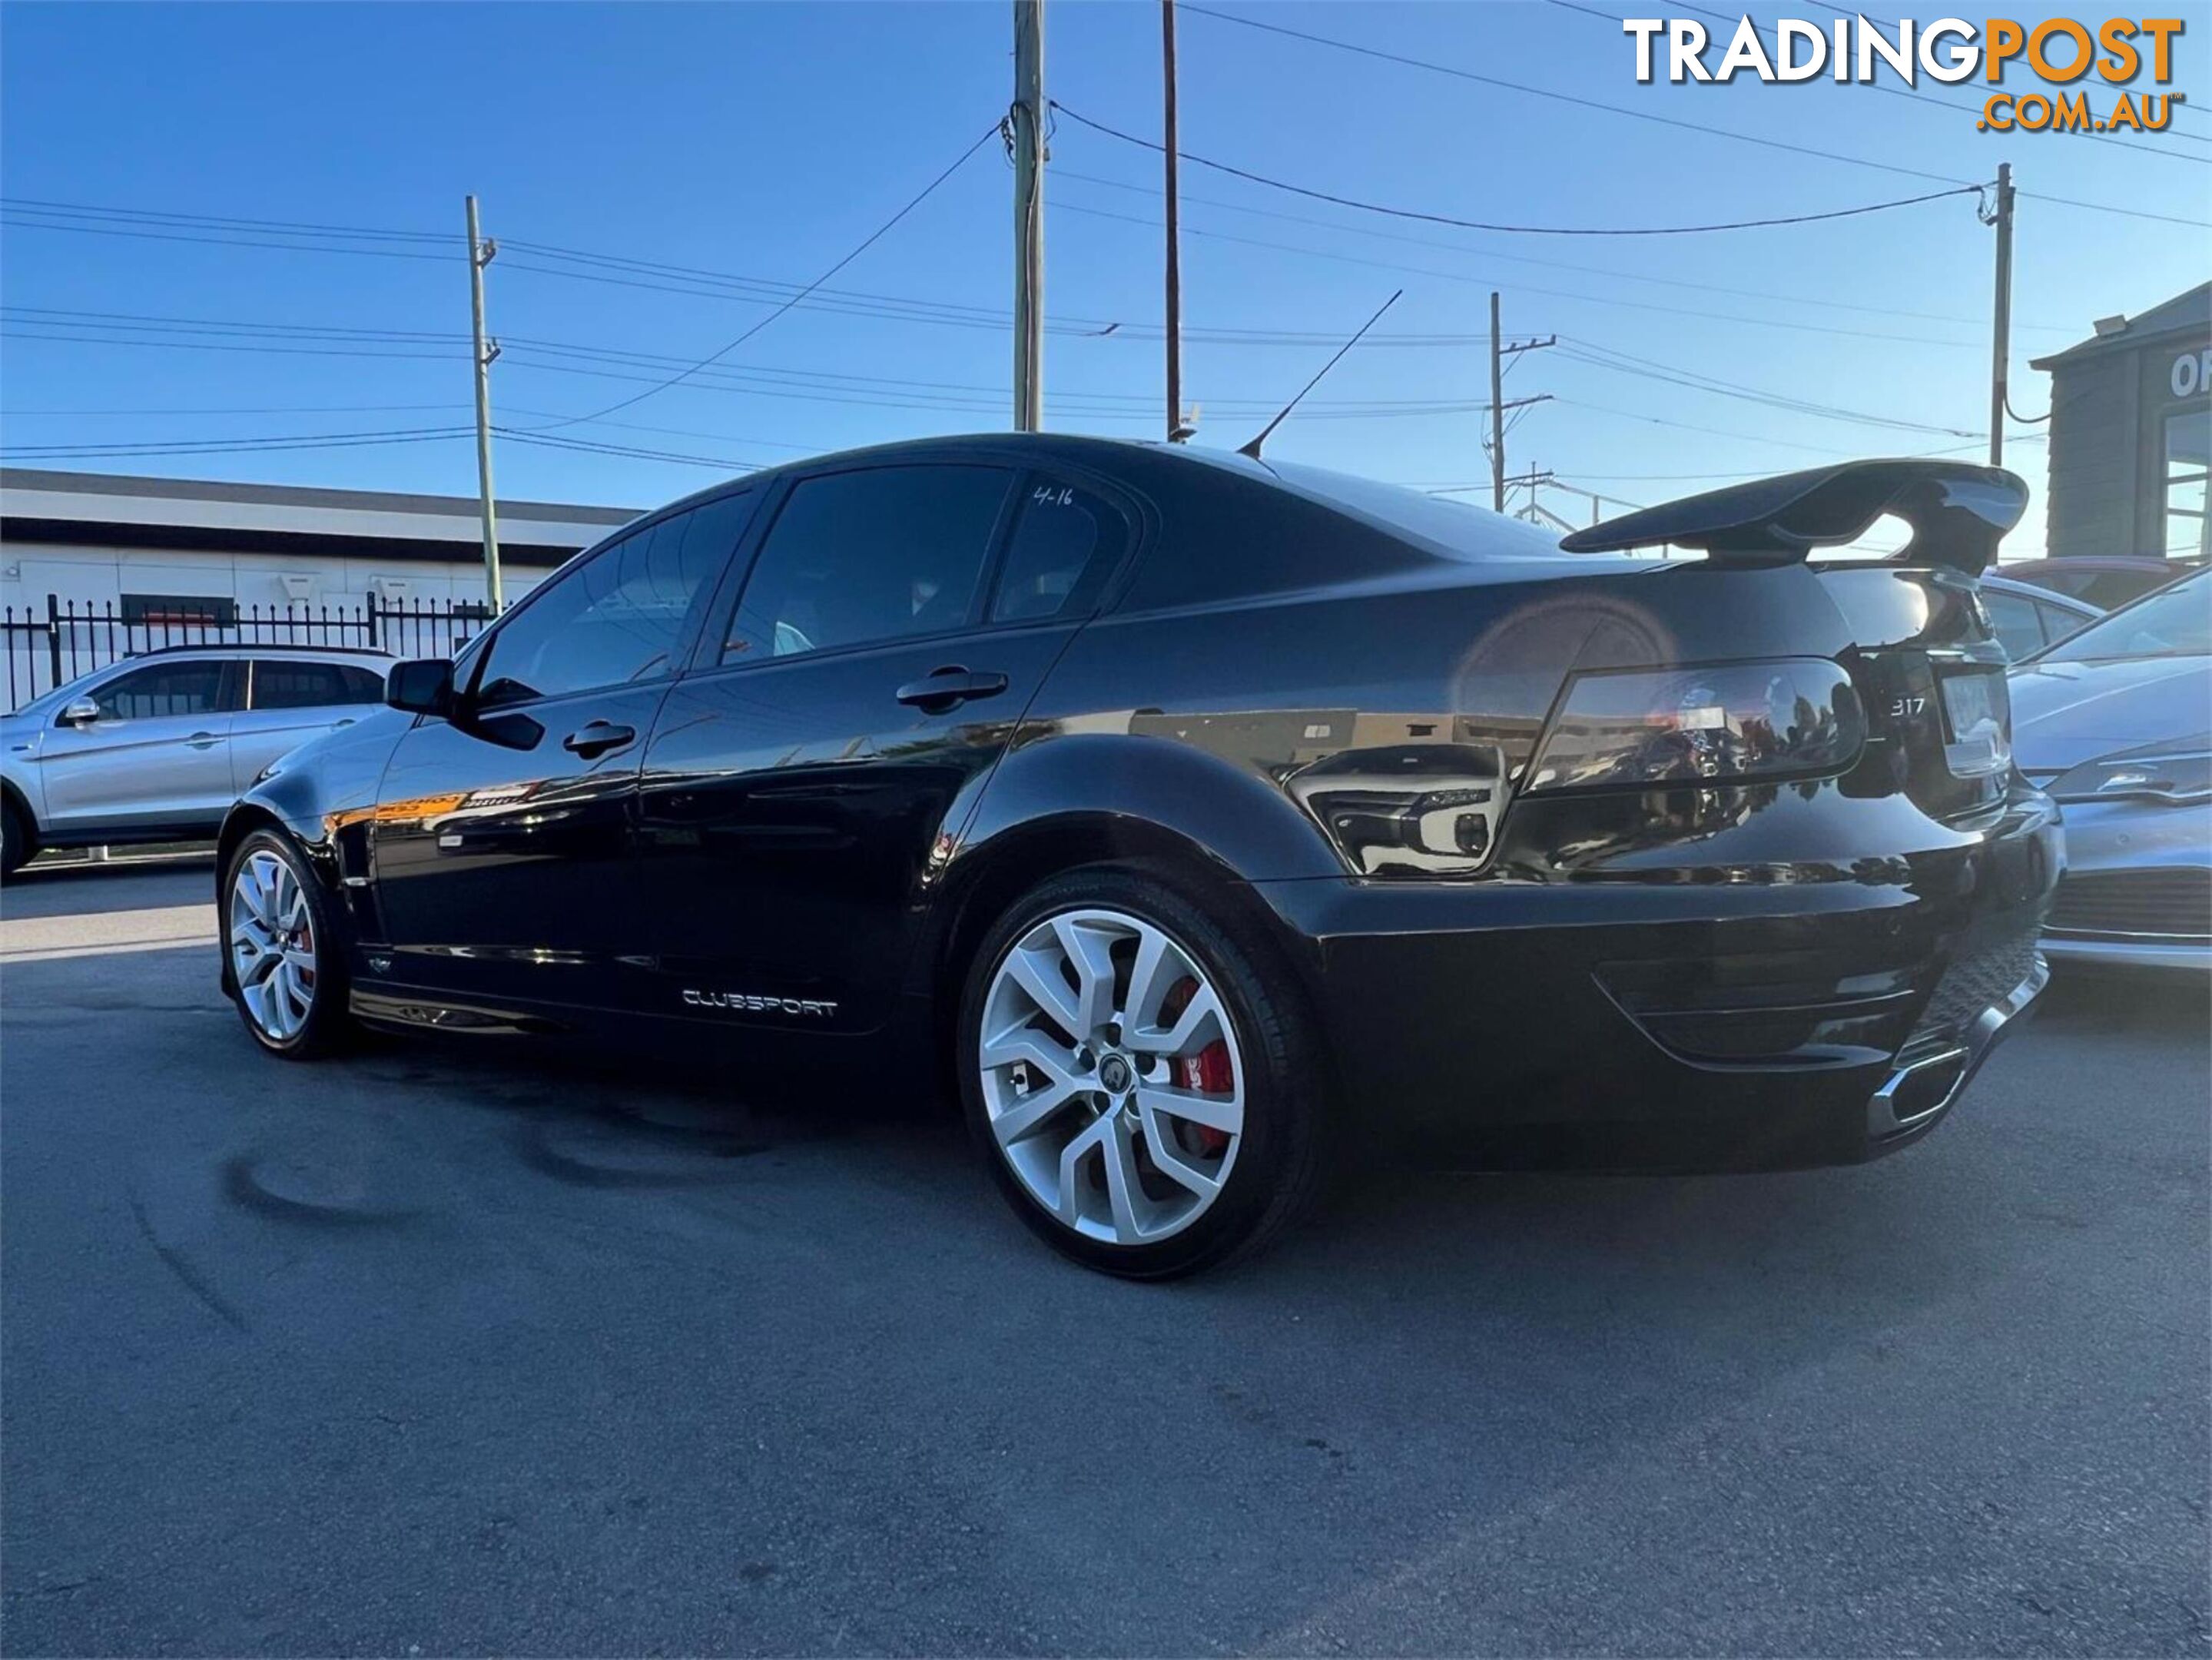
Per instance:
(424,686)
(80,712)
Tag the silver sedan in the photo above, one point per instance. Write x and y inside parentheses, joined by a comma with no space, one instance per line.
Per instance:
(2115,722)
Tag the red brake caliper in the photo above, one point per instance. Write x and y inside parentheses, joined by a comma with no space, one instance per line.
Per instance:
(1207,1072)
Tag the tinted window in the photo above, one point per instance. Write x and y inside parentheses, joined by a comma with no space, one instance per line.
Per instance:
(2015,621)
(858,558)
(164,689)
(279,686)
(1065,543)
(616,617)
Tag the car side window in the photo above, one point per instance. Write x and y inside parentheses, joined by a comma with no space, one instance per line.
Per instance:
(877,554)
(2058,622)
(616,618)
(285,685)
(2016,622)
(163,689)
(1066,542)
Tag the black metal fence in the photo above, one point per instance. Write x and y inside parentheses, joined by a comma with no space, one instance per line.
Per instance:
(51,648)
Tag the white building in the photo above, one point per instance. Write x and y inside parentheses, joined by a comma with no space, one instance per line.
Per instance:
(179,548)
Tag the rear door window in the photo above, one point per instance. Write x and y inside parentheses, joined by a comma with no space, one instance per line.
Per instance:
(278,684)
(864,558)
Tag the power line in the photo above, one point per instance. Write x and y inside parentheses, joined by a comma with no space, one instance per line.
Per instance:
(860,248)
(1623,363)
(1956,188)
(1066,175)
(1647,115)
(1462,277)
(234,447)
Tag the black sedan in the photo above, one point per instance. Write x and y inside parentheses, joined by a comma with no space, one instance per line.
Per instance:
(1210,821)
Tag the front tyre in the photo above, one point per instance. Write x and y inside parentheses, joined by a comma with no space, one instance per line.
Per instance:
(1137,1077)
(286,949)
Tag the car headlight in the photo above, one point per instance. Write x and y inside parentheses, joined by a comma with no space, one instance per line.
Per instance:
(2157,773)
(1796,718)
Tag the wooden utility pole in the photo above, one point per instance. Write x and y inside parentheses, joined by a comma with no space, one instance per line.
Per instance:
(2001,344)
(1175,232)
(481,253)
(1499,351)
(1027,123)
(1497,412)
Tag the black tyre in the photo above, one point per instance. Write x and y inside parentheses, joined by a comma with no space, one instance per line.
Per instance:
(1139,1075)
(15,844)
(287,947)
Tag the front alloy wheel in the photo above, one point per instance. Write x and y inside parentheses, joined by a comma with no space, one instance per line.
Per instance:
(1133,1068)
(286,956)
(272,945)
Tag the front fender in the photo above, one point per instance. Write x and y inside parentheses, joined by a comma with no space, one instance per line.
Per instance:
(323,794)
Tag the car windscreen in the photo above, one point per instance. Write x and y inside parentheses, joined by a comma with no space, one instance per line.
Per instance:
(2175,622)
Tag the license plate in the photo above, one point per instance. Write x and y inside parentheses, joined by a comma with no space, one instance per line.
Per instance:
(1978,710)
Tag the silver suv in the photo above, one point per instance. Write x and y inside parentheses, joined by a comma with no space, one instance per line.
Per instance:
(156,748)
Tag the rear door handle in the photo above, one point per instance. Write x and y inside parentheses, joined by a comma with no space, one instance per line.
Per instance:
(948,688)
(201,740)
(597,737)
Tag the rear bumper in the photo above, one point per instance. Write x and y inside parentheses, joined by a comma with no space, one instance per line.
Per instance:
(1829,1017)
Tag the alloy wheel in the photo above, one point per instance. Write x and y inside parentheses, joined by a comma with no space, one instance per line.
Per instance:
(272,945)
(1111,1078)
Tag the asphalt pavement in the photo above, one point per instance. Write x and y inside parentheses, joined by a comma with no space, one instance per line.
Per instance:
(453,1349)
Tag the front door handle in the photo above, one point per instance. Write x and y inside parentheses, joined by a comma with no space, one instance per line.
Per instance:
(597,737)
(948,688)
(201,740)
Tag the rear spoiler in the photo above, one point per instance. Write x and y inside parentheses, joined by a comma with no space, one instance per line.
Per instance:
(1958,513)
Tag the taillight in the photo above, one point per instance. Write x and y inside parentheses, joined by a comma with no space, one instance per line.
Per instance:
(1797,717)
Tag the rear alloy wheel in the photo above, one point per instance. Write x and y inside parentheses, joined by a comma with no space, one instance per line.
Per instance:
(287,961)
(1139,1091)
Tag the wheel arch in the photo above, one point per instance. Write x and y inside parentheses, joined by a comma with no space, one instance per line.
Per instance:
(12,793)
(987,879)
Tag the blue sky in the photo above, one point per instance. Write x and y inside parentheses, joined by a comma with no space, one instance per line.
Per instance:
(762,142)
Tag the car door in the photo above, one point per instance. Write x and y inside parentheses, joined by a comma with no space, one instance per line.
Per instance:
(502,840)
(289,700)
(156,756)
(895,623)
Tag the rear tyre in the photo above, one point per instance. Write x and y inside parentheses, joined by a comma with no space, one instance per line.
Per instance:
(286,949)
(15,838)
(1136,1074)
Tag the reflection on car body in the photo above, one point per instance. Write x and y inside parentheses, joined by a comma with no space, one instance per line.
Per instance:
(1202,812)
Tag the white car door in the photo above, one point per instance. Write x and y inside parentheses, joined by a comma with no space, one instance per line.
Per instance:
(290,700)
(157,753)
